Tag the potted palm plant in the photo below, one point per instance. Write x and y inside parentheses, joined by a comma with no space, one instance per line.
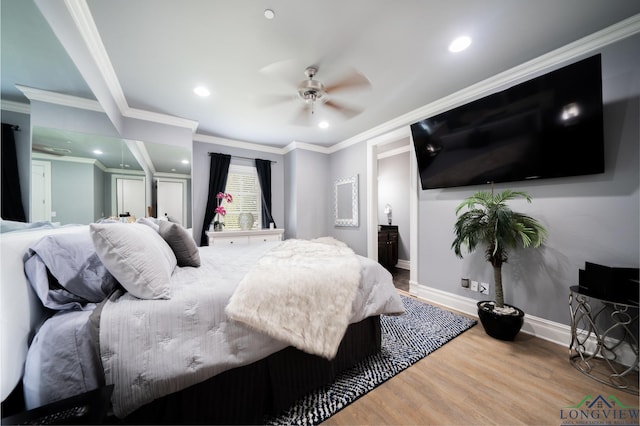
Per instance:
(488,221)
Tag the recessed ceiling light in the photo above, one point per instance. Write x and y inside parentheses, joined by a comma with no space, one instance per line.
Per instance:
(323,124)
(201,91)
(269,14)
(185,161)
(459,44)
(97,151)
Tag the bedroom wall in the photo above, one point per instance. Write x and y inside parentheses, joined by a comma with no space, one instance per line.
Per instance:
(72,192)
(344,163)
(306,181)
(590,218)
(200,179)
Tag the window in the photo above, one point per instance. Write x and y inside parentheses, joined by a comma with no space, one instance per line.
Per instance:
(244,186)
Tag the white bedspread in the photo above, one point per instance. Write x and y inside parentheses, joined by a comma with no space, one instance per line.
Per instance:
(151,348)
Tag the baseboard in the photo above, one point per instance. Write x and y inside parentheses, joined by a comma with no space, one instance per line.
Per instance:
(403,264)
(535,326)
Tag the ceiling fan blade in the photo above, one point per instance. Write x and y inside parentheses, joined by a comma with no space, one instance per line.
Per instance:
(287,71)
(303,117)
(347,111)
(354,80)
(45,149)
(274,100)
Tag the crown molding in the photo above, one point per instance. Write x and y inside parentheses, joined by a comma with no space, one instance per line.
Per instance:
(13,106)
(589,44)
(306,146)
(81,15)
(237,144)
(160,118)
(41,95)
(68,159)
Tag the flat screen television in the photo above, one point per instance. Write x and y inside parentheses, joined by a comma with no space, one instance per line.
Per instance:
(548,127)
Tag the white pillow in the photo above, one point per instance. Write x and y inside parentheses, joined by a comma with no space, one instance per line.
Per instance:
(136,256)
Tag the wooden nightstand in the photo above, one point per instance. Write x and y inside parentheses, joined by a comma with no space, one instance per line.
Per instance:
(388,246)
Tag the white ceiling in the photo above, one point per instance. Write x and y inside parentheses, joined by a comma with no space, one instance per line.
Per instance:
(159,50)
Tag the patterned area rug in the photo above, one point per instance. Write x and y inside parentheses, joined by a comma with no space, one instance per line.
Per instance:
(406,339)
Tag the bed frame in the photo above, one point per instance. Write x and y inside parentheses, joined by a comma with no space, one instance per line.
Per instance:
(245,395)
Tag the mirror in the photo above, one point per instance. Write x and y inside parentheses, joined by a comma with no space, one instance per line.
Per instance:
(346,201)
(71,179)
(78,178)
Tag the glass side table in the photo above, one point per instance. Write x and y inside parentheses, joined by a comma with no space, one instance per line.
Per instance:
(604,340)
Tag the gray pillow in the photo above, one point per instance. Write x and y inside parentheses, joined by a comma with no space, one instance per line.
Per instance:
(66,273)
(181,242)
(152,223)
(137,256)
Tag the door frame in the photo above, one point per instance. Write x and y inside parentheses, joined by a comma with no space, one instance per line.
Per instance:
(372,198)
(47,189)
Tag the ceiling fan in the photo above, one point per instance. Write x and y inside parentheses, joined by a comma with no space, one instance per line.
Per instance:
(315,94)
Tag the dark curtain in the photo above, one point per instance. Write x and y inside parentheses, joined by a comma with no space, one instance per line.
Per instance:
(263,168)
(217,183)
(12,208)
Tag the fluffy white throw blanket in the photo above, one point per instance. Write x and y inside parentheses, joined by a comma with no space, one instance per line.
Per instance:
(300,292)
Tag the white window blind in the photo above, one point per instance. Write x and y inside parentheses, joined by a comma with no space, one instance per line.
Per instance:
(244,186)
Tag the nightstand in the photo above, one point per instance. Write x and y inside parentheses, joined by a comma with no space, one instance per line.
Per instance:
(256,236)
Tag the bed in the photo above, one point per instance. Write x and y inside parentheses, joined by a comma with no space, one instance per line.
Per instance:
(185,334)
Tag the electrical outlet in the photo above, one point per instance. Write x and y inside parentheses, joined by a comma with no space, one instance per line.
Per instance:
(474,285)
(464,282)
(484,288)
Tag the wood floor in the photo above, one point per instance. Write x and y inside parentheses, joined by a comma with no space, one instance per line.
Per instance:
(477,380)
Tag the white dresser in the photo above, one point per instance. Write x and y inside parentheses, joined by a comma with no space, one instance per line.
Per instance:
(256,236)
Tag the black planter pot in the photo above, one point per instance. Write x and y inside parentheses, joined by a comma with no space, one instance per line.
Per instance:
(503,327)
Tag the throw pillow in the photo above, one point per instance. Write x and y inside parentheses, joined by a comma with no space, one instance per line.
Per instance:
(137,257)
(183,245)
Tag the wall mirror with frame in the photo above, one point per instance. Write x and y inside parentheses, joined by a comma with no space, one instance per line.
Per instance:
(346,201)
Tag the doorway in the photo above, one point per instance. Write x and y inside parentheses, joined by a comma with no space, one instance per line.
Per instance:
(128,195)
(373,145)
(171,199)
(40,191)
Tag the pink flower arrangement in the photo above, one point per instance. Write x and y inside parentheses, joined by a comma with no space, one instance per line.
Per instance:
(220,210)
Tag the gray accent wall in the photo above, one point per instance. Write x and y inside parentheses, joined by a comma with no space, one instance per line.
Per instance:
(344,163)
(72,192)
(589,218)
(306,181)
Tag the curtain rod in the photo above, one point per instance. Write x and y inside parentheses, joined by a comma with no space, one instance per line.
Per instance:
(239,156)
